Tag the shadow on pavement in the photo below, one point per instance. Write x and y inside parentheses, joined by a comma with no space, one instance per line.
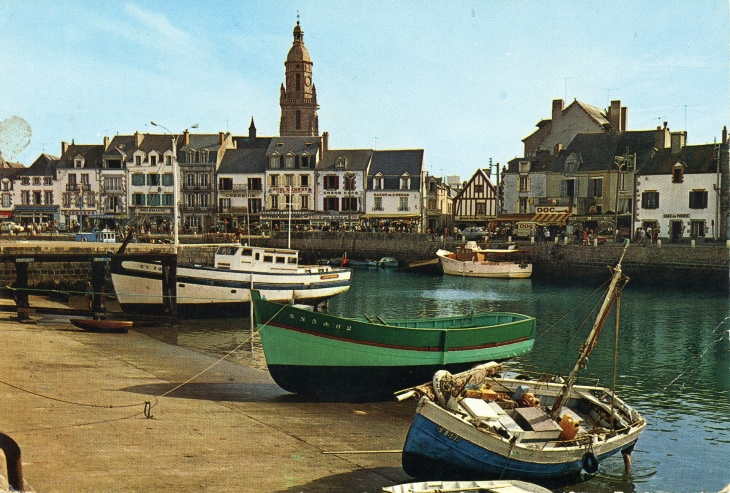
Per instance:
(360,481)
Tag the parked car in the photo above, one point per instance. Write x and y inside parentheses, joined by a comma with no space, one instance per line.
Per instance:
(474,233)
(6,226)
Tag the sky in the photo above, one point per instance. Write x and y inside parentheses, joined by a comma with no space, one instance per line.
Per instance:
(465,81)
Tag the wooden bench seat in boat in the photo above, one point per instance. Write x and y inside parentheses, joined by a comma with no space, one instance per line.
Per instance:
(536,423)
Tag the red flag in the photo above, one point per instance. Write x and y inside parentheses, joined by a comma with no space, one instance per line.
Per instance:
(344,260)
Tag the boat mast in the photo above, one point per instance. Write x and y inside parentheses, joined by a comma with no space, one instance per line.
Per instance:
(288,243)
(590,342)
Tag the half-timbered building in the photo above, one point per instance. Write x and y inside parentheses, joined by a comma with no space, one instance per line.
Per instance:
(477,202)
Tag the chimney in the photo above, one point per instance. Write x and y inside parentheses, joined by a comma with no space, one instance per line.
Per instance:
(221,138)
(137,140)
(614,116)
(624,114)
(325,144)
(186,137)
(661,139)
(724,135)
(678,141)
(64,148)
(107,141)
(557,108)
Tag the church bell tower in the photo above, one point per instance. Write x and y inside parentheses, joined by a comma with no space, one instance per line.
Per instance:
(298,99)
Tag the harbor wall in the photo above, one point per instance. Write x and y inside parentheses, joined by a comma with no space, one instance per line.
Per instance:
(682,264)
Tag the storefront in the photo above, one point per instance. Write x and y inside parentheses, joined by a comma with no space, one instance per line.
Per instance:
(38,214)
(280,220)
(391,224)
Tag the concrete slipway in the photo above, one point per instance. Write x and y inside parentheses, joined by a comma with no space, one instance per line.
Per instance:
(75,403)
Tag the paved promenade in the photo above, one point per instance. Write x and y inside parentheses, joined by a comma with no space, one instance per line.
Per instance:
(80,420)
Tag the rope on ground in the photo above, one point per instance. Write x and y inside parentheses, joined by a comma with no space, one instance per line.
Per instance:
(65,401)
(147,411)
(229,353)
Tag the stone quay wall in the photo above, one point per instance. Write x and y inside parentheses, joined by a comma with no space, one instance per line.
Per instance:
(706,265)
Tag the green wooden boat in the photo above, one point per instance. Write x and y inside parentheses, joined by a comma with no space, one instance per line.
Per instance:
(315,353)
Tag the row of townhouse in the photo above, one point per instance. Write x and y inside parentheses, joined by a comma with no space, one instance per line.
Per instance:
(224,181)
(612,180)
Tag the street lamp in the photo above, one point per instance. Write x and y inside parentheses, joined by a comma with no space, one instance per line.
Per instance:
(176,191)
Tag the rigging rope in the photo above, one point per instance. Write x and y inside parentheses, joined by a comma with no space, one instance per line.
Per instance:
(148,406)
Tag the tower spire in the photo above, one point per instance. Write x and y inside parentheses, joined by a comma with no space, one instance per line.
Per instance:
(298,100)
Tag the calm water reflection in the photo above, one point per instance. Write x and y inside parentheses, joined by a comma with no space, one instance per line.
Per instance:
(673,362)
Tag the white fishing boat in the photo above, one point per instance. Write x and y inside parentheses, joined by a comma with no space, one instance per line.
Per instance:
(473,261)
(225,287)
(484,424)
(466,487)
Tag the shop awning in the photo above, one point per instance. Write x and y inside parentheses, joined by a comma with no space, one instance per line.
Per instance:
(514,217)
(551,218)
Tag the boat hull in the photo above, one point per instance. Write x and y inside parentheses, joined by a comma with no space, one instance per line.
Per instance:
(104,326)
(497,270)
(318,354)
(219,292)
(440,445)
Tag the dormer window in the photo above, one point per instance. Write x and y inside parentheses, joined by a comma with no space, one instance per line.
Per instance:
(524,166)
(304,161)
(678,173)
(138,160)
(78,162)
(341,162)
(378,182)
(274,161)
(153,160)
(289,161)
(279,144)
(405,182)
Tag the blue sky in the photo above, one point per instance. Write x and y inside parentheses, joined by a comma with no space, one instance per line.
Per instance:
(465,81)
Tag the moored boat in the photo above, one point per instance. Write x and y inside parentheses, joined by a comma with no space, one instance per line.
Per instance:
(320,354)
(388,262)
(224,288)
(473,261)
(485,424)
(103,325)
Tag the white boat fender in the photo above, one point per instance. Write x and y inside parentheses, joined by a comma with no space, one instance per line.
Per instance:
(590,463)
(437,378)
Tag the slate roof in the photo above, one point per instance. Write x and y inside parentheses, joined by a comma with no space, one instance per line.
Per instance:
(296,145)
(44,165)
(200,141)
(357,159)
(596,151)
(696,158)
(397,162)
(90,152)
(542,162)
(149,142)
(243,161)
(596,113)
(246,142)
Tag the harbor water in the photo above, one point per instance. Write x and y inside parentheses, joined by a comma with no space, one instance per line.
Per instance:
(673,360)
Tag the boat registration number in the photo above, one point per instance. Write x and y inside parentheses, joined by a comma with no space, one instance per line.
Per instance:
(448,434)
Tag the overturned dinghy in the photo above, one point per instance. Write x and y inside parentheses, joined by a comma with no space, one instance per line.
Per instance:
(467,487)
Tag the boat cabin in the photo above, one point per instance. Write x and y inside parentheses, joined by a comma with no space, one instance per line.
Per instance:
(246,258)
